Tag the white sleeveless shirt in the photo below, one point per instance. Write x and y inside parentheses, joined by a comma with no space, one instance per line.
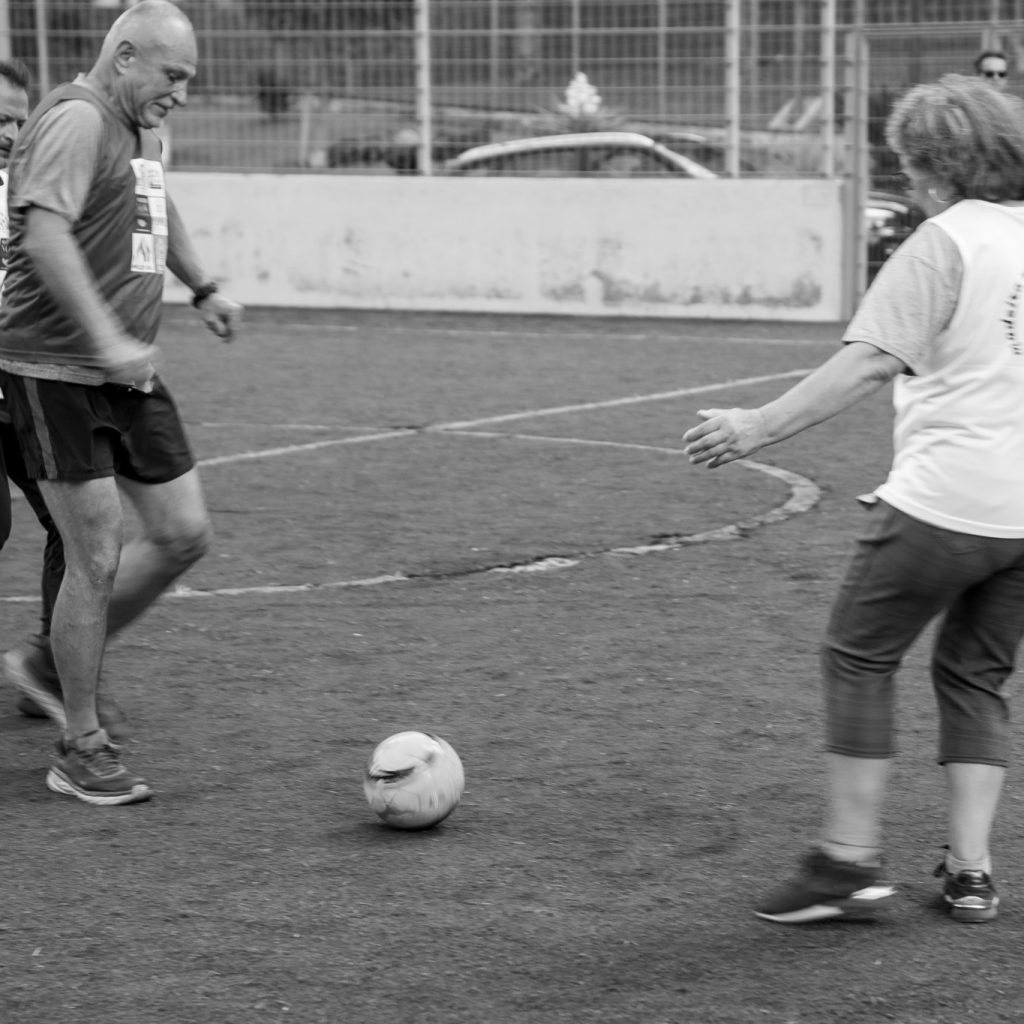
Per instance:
(959,429)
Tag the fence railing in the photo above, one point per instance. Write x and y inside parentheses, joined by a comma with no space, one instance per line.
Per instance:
(397,86)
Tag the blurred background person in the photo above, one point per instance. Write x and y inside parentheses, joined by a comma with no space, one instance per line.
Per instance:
(994,68)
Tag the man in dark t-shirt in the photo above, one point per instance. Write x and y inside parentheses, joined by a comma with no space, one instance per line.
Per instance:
(92,231)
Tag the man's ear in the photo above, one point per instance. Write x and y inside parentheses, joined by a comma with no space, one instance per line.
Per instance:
(123,54)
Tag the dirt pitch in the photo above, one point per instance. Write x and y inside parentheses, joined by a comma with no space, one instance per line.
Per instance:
(636,704)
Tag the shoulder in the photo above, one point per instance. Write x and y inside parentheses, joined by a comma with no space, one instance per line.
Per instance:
(70,133)
(932,244)
(72,115)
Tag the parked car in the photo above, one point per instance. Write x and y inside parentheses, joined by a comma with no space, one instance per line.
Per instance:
(889,217)
(581,154)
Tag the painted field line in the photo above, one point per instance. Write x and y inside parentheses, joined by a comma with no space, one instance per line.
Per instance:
(804,494)
(292,449)
(509,417)
(492,333)
(615,403)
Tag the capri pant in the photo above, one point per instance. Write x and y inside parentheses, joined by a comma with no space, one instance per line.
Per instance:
(902,575)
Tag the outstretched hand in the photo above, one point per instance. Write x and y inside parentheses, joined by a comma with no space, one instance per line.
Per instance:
(221,314)
(725,436)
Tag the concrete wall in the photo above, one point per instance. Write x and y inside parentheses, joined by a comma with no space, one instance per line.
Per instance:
(747,249)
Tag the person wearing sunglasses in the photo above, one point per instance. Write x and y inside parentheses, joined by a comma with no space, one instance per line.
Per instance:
(993,66)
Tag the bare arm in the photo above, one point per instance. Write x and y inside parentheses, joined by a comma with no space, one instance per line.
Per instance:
(854,372)
(219,313)
(60,264)
(182,260)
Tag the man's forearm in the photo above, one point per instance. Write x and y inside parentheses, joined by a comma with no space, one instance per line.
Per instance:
(182,259)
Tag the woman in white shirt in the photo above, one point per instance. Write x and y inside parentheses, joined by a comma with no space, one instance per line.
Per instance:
(944,321)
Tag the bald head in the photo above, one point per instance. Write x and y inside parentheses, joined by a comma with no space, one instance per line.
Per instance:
(146,62)
(151,23)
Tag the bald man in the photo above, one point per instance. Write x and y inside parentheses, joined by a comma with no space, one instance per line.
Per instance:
(92,231)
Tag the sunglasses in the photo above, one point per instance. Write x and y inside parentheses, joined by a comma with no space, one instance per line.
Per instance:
(994,74)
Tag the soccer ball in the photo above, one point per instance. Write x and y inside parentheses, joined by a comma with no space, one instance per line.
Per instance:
(414,780)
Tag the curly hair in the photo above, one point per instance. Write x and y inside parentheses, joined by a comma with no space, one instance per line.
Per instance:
(963,133)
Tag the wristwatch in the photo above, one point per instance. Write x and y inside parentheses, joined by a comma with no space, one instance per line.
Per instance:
(204,291)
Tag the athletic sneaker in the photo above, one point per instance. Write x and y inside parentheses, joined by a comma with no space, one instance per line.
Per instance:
(95,775)
(970,895)
(826,888)
(31,669)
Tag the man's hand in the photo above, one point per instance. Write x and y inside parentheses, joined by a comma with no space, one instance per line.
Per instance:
(221,315)
(129,362)
(725,436)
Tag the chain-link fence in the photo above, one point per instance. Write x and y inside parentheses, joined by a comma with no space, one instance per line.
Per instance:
(386,86)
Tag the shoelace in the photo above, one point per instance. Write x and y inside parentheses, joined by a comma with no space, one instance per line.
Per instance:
(102,761)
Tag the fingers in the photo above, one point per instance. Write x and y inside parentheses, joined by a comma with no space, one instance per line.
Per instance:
(725,436)
(130,362)
(137,375)
(705,443)
(702,429)
(222,316)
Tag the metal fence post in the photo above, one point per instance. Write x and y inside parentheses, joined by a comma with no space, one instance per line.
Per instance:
(828,88)
(859,171)
(5,30)
(42,47)
(424,90)
(732,87)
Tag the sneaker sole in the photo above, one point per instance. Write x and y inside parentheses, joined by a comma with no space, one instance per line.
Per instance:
(860,904)
(60,783)
(979,912)
(14,667)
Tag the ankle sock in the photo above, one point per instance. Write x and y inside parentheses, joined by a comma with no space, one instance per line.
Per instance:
(95,737)
(954,865)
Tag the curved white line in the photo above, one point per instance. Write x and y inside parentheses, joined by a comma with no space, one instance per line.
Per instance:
(804,494)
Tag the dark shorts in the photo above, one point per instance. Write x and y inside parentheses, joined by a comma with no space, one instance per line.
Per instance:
(81,432)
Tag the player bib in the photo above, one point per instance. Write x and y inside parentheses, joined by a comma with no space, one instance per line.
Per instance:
(149,238)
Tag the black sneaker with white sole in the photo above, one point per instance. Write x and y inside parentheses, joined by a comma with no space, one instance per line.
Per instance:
(95,774)
(825,889)
(970,895)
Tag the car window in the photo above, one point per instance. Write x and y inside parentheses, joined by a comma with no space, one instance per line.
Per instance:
(548,163)
(621,162)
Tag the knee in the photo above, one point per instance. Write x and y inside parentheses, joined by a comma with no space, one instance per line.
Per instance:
(188,544)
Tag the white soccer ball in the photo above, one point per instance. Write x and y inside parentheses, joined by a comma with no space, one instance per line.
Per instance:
(414,780)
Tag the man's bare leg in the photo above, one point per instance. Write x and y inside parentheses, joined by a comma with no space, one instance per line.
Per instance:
(89,517)
(106,584)
(176,533)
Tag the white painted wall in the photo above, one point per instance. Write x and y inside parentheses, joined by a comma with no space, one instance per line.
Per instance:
(748,249)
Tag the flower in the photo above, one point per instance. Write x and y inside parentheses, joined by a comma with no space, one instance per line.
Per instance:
(582,110)
(581,98)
